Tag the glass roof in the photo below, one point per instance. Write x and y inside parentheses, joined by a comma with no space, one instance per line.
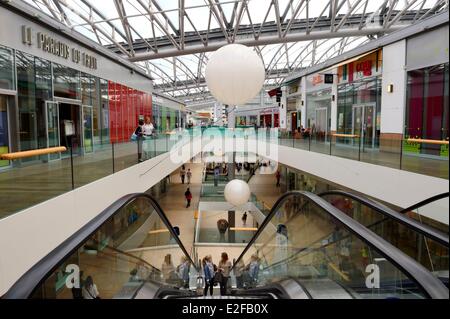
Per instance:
(172,39)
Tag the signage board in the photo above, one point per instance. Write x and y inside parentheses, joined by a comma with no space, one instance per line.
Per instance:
(51,45)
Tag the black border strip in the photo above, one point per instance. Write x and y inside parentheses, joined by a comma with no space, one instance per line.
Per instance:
(423,229)
(427,282)
(425,202)
(26,285)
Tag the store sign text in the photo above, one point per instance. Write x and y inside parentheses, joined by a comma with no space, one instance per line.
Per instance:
(50,45)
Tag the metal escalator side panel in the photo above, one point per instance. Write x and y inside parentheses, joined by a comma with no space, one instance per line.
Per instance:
(50,265)
(325,288)
(418,227)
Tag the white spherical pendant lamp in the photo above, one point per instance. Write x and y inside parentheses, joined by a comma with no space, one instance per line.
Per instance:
(235,74)
(237,192)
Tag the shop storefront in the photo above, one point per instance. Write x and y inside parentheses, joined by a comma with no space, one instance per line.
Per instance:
(269,118)
(52,97)
(359,99)
(427,98)
(57,92)
(167,115)
(241,120)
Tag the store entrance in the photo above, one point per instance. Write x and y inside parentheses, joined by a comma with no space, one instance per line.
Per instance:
(321,128)
(364,124)
(70,120)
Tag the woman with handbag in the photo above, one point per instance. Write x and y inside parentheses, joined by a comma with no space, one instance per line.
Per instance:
(224,270)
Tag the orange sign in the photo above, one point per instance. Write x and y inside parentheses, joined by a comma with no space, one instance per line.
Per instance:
(317,79)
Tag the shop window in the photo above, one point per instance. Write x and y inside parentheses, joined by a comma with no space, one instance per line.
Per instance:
(66,82)
(427,110)
(7,80)
(27,101)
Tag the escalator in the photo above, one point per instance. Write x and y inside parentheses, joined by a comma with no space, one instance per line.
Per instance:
(306,248)
(129,251)
(321,252)
(424,243)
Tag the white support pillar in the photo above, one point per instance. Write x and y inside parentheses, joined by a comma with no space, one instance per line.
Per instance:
(303,101)
(393,103)
(334,93)
(282,114)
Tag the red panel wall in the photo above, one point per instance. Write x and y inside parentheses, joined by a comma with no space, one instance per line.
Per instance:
(415,116)
(112,111)
(125,106)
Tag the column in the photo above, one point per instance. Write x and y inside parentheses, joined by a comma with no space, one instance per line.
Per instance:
(334,99)
(231,223)
(303,101)
(393,104)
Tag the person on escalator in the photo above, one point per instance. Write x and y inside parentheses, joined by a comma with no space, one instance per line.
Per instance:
(208,269)
(168,269)
(253,270)
(224,269)
(183,272)
(90,290)
(77,293)
(239,273)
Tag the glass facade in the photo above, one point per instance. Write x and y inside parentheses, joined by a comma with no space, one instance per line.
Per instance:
(66,82)
(34,87)
(49,95)
(359,108)
(166,119)
(318,112)
(427,110)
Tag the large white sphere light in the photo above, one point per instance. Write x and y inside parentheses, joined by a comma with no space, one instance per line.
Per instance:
(237,192)
(235,74)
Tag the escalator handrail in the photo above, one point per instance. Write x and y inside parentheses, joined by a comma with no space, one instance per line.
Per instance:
(423,229)
(425,202)
(25,286)
(429,284)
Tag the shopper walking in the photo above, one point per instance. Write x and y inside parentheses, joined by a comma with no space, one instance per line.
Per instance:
(140,139)
(216,175)
(224,268)
(182,174)
(278,176)
(188,196)
(189,175)
(244,219)
(208,269)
